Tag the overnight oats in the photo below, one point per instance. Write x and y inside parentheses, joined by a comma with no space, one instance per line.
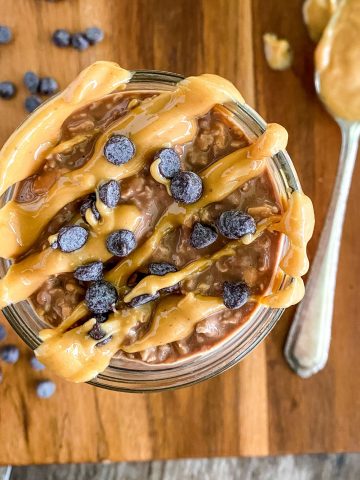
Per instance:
(145,226)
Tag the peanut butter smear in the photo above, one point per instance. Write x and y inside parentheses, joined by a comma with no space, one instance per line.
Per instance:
(337,62)
(168,119)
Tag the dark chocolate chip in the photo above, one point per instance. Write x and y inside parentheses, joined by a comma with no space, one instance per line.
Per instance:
(31,81)
(109,193)
(3,333)
(202,235)
(161,268)
(89,272)
(142,299)
(79,41)
(48,86)
(90,202)
(104,342)
(45,388)
(61,38)
(100,297)
(119,149)
(186,187)
(97,333)
(169,162)
(72,238)
(235,224)
(5,34)
(121,243)
(235,294)
(36,364)
(32,103)
(94,35)
(101,317)
(9,353)
(54,245)
(7,90)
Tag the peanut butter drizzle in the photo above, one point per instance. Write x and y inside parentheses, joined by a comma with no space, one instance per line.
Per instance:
(26,149)
(25,277)
(166,120)
(337,60)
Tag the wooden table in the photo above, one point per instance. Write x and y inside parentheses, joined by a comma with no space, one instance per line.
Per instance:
(259,407)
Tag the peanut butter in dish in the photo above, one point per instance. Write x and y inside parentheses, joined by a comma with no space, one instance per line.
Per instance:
(147,224)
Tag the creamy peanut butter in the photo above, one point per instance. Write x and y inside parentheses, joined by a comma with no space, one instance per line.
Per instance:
(169,119)
(317,14)
(337,61)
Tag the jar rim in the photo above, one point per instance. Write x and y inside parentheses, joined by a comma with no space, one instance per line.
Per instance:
(228,351)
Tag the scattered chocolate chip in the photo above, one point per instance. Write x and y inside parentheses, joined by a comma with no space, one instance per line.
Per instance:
(31,81)
(121,243)
(235,294)
(3,333)
(31,103)
(101,317)
(186,187)
(36,365)
(48,86)
(119,149)
(202,235)
(169,163)
(72,238)
(100,297)
(142,299)
(45,389)
(135,278)
(161,268)
(94,35)
(235,224)
(89,272)
(61,38)
(5,34)
(79,41)
(9,353)
(7,90)
(54,245)
(109,193)
(104,342)
(90,202)
(97,333)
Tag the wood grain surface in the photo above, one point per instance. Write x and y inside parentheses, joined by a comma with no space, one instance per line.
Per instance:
(259,407)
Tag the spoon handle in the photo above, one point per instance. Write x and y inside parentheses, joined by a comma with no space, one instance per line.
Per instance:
(308,342)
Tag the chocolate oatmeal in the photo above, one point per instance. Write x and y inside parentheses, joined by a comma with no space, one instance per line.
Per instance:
(152,229)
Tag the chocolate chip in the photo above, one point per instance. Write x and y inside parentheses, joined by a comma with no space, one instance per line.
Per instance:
(36,365)
(119,149)
(90,202)
(48,86)
(104,342)
(100,297)
(61,38)
(54,245)
(94,35)
(161,268)
(202,235)
(109,193)
(121,243)
(101,317)
(79,41)
(169,162)
(142,299)
(9,353)
(32,103)
(31,81)
(7,90)
(89,272)
(45,389)
(97,333)
(5,34)
(235,224)
(235,294)
(72,238)
(186,187)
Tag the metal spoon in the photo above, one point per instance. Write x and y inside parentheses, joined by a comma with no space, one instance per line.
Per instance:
(308,342)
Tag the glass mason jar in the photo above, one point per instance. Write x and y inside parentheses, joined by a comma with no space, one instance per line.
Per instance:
(141,377)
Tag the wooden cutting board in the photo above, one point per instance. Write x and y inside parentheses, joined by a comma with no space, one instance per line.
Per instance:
(259,407)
